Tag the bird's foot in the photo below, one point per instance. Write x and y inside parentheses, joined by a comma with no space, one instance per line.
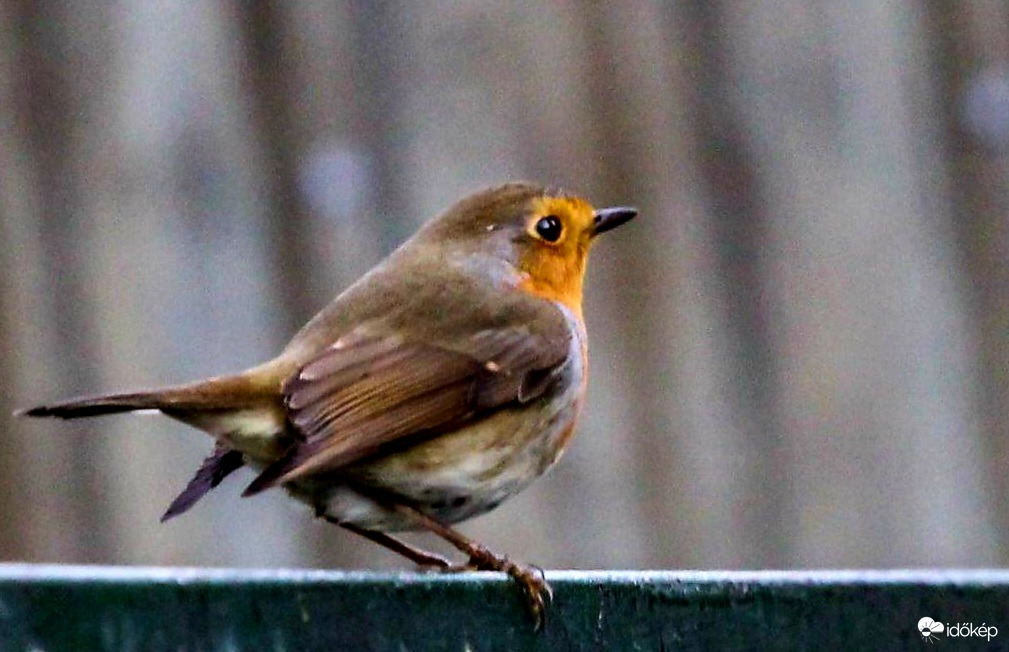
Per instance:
(530,578)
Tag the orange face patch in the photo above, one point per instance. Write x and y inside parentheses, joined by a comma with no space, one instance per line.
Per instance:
(560,230)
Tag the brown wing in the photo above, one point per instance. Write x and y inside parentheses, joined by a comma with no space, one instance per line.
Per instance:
(366,393)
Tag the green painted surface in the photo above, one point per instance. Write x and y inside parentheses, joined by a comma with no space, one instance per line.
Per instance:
(95,608)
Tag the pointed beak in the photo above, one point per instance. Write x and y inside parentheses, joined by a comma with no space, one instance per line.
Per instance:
(611,218)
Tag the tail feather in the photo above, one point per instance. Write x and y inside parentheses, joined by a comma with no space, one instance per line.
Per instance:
(214,469)
(225,393)
(244,413)
(96,406)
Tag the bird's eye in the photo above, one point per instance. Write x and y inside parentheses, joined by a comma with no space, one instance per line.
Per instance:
(549,228)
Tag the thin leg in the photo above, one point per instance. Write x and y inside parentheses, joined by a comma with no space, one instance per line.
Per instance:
(481,558)
(414,554)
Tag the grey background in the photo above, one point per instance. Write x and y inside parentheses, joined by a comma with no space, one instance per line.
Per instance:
(799,352)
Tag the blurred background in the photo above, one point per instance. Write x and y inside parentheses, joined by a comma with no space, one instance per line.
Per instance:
(800,352)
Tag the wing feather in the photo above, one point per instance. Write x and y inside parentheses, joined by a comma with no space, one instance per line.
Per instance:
(367,393)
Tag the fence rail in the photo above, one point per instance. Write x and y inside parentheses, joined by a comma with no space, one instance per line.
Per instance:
(123,609)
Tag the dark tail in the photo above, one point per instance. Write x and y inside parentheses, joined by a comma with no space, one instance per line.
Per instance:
(216,393)
(205,405)
(214,469)
(96,406)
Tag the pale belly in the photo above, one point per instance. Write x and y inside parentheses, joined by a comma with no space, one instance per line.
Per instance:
(459,475)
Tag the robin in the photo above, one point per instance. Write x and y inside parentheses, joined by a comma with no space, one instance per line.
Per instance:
(442,382)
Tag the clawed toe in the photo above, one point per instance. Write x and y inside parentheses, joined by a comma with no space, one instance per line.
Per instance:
(535,586)
(532,580)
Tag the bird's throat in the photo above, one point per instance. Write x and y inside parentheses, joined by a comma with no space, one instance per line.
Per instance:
(557,279)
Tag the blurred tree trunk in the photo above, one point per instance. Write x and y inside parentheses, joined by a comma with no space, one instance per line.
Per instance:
(975,83)
(19,304)
(45,99)
(267,33)
(861,284)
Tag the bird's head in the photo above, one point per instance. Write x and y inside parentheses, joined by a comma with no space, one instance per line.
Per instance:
(543,234)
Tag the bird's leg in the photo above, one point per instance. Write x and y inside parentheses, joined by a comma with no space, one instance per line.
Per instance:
(416,555)
(481,558)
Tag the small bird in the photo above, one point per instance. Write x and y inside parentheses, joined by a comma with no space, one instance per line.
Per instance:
(442,382)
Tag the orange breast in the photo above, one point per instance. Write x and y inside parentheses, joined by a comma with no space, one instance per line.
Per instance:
(555,279)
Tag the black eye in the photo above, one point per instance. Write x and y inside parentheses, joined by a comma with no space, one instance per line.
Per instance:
(549,228)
